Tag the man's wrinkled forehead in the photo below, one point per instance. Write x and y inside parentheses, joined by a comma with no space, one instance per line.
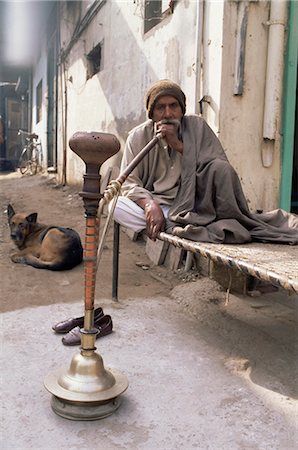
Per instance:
(166,100)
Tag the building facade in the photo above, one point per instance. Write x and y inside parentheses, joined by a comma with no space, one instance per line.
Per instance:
(234,60)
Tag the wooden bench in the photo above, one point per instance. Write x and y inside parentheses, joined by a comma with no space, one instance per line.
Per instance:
(272,263)
(276,264)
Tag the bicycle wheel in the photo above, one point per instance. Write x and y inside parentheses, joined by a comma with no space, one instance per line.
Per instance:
(24,162)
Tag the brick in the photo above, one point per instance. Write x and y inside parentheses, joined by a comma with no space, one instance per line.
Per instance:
(156,251)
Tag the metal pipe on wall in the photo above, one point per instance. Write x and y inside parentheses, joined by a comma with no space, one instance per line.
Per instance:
(198,55)
(63,175)
(274,71)
(64,164)
(240,47)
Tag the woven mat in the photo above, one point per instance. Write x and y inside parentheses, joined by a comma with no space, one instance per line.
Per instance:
(277,264)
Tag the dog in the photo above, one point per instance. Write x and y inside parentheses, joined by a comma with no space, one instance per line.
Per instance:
(42,246)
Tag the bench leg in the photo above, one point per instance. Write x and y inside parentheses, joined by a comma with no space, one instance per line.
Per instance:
(115,274)
(188,262)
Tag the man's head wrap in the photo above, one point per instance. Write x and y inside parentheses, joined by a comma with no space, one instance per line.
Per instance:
(161,88)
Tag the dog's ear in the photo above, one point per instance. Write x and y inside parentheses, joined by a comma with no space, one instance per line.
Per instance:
(10,212)
(32,218)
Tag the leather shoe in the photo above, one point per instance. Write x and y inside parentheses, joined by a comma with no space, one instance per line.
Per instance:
(66,325)
(103,324)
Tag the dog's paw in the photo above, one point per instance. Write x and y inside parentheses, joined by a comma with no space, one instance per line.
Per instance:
(18,259)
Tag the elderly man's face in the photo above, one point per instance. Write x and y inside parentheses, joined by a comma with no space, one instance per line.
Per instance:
(167,107)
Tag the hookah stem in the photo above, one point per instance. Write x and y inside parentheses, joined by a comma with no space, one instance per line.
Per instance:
(91,238)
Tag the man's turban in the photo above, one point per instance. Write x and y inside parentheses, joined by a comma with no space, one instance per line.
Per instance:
(161,88)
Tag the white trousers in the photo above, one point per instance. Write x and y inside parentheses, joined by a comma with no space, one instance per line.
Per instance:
(128,214)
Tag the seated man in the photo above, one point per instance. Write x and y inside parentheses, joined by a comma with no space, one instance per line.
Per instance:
(185,184)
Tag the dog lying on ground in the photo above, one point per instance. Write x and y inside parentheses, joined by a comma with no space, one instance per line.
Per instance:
(42,246)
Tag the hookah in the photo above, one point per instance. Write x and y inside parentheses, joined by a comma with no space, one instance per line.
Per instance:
(87,390)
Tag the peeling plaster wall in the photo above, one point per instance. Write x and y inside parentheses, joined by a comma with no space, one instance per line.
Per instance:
(113,100)
(241,117)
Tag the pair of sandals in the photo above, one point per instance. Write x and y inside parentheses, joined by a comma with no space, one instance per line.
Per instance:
(71,327)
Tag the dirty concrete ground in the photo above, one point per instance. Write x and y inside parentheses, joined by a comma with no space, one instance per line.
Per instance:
(202,374)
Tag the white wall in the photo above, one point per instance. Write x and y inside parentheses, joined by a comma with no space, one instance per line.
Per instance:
(212,61)
(113,100)
(40,73)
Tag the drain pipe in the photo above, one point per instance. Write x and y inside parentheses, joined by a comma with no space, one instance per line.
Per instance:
(198,55)
(64,164)
(274,75)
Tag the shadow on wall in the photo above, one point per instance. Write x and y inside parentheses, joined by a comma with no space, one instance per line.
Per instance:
(123,85)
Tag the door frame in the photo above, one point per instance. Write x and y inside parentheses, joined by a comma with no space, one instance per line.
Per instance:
(289,109)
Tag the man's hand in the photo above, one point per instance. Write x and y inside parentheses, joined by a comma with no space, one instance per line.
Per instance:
(155,219)
(169,132)
(154,216)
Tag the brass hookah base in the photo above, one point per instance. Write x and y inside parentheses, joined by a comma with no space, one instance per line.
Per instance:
(87,390)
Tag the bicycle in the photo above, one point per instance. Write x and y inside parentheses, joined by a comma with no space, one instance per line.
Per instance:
(31,157)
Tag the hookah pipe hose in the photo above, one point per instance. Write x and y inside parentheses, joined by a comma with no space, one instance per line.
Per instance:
(113,189)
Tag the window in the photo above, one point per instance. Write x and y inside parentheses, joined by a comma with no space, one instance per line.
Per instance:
(94,60)
(155,11)
(39,102)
